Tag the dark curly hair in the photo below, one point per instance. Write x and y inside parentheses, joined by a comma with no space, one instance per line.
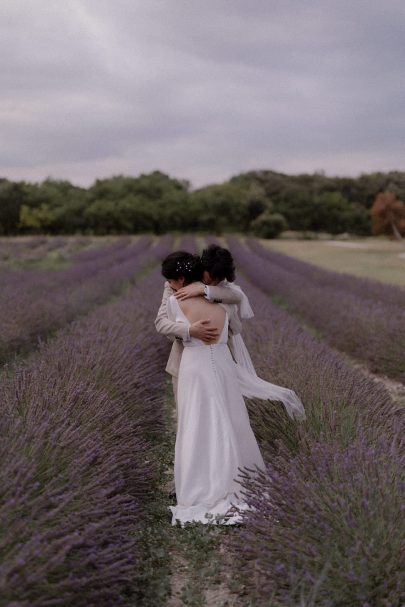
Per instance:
(218,262)
(182,264)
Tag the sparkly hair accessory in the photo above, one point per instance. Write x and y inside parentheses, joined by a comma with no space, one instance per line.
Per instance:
(184,266)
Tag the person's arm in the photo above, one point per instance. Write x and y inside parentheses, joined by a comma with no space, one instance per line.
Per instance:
(244,308)
(216,294)
(166,326)
(222,294)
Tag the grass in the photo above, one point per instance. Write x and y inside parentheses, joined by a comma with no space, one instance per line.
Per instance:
(373,258)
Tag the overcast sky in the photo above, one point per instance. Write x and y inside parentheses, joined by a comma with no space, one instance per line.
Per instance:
(200,89)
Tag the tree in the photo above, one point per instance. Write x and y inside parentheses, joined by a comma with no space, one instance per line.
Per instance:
(218,207)
(12,196)
(37,220)
(160,203)
(388,215)
(356,219)
(103,217)
(269,225)
(328,213)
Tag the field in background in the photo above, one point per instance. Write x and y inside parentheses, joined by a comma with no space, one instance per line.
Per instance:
(51,252)
(88,432)
(374,258)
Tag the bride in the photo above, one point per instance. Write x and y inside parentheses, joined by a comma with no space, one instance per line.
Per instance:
(214,437)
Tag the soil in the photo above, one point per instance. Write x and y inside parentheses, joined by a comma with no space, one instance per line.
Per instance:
(395,389)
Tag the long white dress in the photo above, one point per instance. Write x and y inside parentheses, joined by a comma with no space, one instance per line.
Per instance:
(214,436)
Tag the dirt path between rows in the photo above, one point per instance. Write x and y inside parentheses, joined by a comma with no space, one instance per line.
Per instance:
(395,388)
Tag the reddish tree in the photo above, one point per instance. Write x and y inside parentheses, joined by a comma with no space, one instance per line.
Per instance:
(388,215)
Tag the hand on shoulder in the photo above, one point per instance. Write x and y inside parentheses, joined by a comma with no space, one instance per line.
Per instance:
(195,289)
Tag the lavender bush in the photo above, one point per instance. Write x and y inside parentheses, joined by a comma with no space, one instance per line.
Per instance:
(19,247)
(188,243)
(86,264)
(32,310)
(328,527)
(107,251)
(24,252)
(364,287)
(370,330)
(340,401)
(78,427)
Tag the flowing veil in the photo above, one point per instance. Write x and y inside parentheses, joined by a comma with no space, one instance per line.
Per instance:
(253,386)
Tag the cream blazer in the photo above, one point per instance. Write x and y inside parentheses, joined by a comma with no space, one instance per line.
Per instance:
(178,331)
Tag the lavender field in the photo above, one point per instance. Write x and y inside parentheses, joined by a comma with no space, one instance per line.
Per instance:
(88,436)
(358,316)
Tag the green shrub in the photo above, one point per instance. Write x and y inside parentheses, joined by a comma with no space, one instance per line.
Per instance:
(269,225)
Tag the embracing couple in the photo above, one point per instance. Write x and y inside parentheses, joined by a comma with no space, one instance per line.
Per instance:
(212,372)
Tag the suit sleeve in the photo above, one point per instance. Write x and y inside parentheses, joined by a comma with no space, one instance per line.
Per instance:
(164,323)
(223,294)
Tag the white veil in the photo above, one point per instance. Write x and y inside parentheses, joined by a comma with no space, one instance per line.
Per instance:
(251,385)
(255,387)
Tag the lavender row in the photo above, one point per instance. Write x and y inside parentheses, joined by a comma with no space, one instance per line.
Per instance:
(27,318)
(88,263)
(327,528)
(79,424)
(188,243)
(18,248)
(362,287)
(24,252)
(94,253)
(371,331)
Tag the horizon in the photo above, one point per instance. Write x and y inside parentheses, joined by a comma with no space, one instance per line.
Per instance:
(192,188)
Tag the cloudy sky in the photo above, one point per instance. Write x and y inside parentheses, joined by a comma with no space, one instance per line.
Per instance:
(200,89)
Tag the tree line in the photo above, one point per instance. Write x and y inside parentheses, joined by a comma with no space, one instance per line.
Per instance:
(263,203)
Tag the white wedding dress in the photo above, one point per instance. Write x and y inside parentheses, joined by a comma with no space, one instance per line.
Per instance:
(214,437)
